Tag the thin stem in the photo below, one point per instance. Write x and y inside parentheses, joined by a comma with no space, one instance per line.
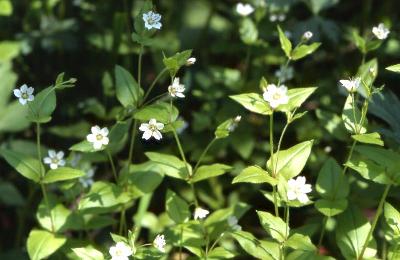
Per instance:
(203,154)
(139,76)
(112,165)
(215,242)
(353,105)
(271,142)
(279,145)
(178,143)
(132,143)
(154,83)
(122,221)
(154,98)
(321,237)
(284,68)
(287,221)
(180,244)
(42,185)
(375,221)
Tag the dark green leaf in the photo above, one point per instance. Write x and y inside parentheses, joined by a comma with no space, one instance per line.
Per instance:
(177,208)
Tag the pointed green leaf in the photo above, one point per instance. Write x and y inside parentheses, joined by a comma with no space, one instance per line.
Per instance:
(88,253)
(177,208)
(62,174)
(42,244)
(286,45)
(352,118)
(208,171)
(253,102)
(394,68)
(162,112)
(254,174)
(127,89)
(260,249)
(43,106)
(297,96)
(371,138)
(171,165)
(304,50)
(274,226)
(28,167)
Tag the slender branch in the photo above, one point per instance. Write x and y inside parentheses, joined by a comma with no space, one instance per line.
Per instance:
(154,83)
(132,143)
(112,165)
(321,237)
(203,154)
(139,76)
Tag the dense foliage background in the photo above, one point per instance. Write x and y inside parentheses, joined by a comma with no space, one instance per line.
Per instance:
(86,39)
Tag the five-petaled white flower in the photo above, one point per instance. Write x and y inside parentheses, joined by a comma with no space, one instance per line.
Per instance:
(151,129)
(298,189)
(351,84)
(307,35)
(176,89)
(152,20)
(159,243)
(190,61)
(98,137)
(233,223)
(121,251)
(276,96)
(54,159)
(244,9)
(380,31)
(24,94)
(200,213)
(87,179)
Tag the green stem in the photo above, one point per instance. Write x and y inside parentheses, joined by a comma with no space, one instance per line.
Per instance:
(142,209)
(42,185)
(279,145)
(216,242)
(180,244)
(375,221)
(287,221)
(321,237)
(178,143)
(284,68)
(203,154)
(122,221)
(271,142)
(132,143)
(114,171)
(154,83)
(153,99)
(139,76)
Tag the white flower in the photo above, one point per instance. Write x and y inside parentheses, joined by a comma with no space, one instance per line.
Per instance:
(54,159)
(191,61)
(121,251)
(98,137)
(176,89)
(351,84)
(87,180)
(159,243)
(380,31)
(233,223)
(276,96)
(244,9)
(24,94)
(298,189)
(307,35)
(152,20)
(200,213)
(151,129)
(281,17)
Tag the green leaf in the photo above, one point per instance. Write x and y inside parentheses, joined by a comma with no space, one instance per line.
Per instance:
(367,72)
(177,209)
(117,238)
(291,161)
(160,111)
(103,197)
(59,214)
(175,62)
(118,136)
(369,170)
(42,244)
(225,128)
(88,253)
(286,45)
(43,106)
(62,174)
(392,219)
(127,89)
(330,207)
(254,174)
(253,102)
(304,50)
(359,41)
(171,165)
(297,96)
(394,68)
(9,195)
(260,249)
(220,253)
(352,117)
(9,50)
(300,242)
(209,171)
(28,167)
(85,147)
(6,8)
(274,226)
(248,31)
(351,232)
(371,138)
(332,123)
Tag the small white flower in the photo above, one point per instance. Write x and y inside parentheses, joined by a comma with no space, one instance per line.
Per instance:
(276,96)
(159,243)
(351,84)
(380,31)
(176,89)
(191,61)
(237,119)
(152,20)
(307,35)
(54,159)
(87,180)
(121,251)
(273,17)
(284,74)
(244,9)
(298,189)
(151,129)
(281,17)
(200,213)
(98,137)
(233,223)
(24,94)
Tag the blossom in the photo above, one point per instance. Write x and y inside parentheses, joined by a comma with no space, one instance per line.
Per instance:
(200,213)
(98,137)
(24,94)
(54,159)
(159,243)
(307,35)
(151,129)
(152,20)
(298,189)
(121,251)
(233,223)
(191,61)
(244,9)
(176,89)
(380,31)
(276,96)
(351,84)
(87,179)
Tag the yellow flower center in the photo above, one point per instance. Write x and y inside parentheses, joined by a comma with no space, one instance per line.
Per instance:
(24,95)
(99,137)
(276,96)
